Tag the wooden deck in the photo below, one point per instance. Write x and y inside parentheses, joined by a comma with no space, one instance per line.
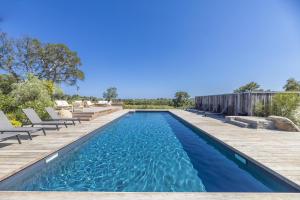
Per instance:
(90,113)
(279,151)
(16,157)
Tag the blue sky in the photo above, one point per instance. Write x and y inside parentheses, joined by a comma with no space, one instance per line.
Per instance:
(152,48)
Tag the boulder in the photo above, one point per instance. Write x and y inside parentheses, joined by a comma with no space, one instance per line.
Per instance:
(284,124)
(65,113)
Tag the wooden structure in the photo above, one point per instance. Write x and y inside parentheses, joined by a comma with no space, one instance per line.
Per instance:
(235,103)
(91,113)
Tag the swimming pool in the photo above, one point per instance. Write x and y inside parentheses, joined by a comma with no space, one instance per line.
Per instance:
(152,152)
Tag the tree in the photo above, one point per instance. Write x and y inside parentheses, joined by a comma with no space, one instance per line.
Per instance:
(181,98)
(60,64)
(27,59)
(7,54)
(6,82)
(250,87)
(292,85)
(111,93)
(54,62)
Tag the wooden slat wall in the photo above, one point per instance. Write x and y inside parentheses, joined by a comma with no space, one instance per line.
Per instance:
(234,104)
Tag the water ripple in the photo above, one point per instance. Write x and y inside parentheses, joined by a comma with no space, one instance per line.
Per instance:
(136,153)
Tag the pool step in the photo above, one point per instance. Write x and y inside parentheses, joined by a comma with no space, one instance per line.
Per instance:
(87,116)
(257,122)
(250,122)
(236,122)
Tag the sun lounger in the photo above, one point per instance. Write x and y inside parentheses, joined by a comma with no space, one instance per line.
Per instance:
(7,127)
(36,120)
(88,103)
(56,117)
(78,106)
(62,104)
(104,103)
(5,136)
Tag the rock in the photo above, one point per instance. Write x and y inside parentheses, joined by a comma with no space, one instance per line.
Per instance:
(284,124)
(65,113)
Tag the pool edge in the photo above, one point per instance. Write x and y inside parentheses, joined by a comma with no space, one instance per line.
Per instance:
(83,138)
(249,158)
(41,161)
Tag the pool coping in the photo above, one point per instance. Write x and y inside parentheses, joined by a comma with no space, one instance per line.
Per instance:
(146,195)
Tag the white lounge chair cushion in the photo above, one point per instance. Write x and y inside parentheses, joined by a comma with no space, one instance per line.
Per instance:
(61,103)
(102,102)
(89,103)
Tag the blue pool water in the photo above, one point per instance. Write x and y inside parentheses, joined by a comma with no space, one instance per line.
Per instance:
(150,152)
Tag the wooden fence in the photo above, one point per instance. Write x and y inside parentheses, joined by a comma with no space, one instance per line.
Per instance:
(234,104)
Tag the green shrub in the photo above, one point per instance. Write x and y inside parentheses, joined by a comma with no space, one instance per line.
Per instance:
(13,120)
(285,105)
(7,103)
(50,86)
(6,82)
(30,90)
(16,117)
(31,93)
(261,110)
(182,99)
(16,123)
(54,91)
